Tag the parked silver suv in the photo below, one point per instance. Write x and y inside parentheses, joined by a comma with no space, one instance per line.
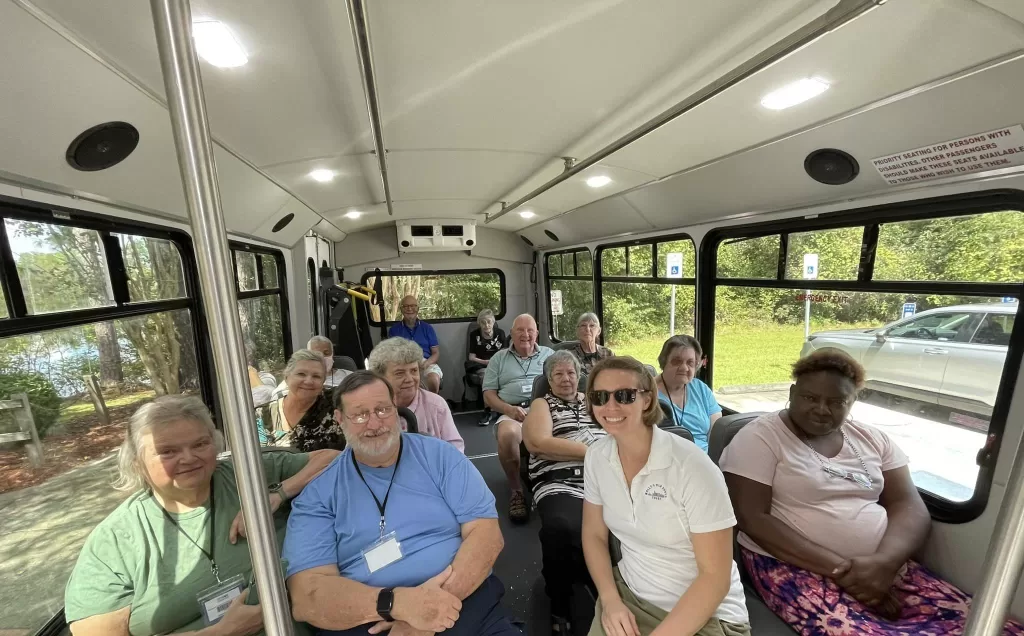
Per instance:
(950,356)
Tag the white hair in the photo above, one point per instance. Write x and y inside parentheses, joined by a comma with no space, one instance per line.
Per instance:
(559,358)
(392,351)
(320,340)
(302,355)
(588,317)
(484,315)
(164,410)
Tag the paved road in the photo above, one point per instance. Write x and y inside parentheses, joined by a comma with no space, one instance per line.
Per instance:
(41,531)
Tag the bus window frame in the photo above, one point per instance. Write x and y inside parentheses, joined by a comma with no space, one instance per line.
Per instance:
(502,300)
(575,268)
(261,291)
(20,322)
(600,278)
(941,509)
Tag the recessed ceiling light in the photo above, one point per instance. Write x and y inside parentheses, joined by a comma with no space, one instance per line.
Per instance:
(527,214)
(354,214)
(216,45)
(599,181)
(795,93)
(322,175)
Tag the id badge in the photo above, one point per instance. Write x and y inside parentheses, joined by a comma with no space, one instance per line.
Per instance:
(528,388)
(383,552)
(214,601)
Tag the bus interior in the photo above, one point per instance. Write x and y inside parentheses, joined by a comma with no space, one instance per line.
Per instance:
(772,178)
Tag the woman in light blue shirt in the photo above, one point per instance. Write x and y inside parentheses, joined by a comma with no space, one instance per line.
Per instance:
(691,402)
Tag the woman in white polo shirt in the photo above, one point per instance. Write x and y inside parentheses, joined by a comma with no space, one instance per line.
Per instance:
(667,503)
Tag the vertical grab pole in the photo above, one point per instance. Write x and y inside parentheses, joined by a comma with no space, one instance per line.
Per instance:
(172,21)
(1005,558)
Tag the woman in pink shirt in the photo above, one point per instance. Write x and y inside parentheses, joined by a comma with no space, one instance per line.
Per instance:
(829,516)
(398,360)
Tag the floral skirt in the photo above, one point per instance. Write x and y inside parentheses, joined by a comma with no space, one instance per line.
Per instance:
(815,606)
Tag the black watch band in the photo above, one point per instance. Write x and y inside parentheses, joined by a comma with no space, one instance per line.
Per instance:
(385,602)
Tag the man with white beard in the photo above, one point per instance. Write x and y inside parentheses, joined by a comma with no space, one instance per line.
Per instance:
(400,532)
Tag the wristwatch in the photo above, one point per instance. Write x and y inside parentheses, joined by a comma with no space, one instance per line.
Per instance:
(385,602)
(279,489)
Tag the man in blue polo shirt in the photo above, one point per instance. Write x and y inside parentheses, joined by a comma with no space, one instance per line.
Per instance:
(420,332)
(399,532)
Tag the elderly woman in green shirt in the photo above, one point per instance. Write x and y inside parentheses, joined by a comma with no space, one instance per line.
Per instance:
(169,559)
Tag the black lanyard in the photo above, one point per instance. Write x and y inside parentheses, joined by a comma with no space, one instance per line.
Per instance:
(671,402)
(380,506)
(529,362)
(208,555)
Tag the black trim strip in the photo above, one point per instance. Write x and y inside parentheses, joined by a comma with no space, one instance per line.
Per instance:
(116,268)
(48,322)
(649,280)
(887,287)
(443,272)
(15,295)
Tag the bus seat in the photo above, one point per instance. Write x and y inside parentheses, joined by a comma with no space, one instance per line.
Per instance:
(650,369)
(668,423)
(345,363)
(725,429)
(411,425)
(471,379)
(565,344)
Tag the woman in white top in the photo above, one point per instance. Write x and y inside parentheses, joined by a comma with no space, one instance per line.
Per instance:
(667,503)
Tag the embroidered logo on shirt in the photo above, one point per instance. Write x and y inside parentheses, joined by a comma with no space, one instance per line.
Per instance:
(656,492)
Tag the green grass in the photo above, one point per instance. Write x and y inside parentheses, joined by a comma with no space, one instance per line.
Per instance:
(744,354)
(72,411)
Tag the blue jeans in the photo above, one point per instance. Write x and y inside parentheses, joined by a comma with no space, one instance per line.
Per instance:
(481,615)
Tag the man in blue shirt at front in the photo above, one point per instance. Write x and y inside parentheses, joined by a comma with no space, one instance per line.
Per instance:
(420,332)
(399,532)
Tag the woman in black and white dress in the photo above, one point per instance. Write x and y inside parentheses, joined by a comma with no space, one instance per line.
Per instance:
(557,432)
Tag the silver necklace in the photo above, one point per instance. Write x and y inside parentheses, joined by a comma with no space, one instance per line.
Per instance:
(861,479)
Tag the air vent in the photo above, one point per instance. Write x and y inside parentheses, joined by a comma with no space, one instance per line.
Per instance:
(527,241)
(831,166)
(285,220)
(551,235)
(451,230)
(102,146)
(429,235)
(421,231)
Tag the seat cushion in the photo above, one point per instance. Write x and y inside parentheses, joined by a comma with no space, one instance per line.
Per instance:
(725,429)
(763,622)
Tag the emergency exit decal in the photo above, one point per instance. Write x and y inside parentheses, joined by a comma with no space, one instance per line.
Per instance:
(991,150)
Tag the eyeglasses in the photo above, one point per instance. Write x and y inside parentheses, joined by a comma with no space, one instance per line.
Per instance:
(622,396)
(410,307)
(382,413)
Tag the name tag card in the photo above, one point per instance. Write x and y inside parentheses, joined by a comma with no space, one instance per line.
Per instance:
(215,601)
(383,552)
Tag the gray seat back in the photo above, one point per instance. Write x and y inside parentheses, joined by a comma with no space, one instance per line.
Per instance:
(411,425)
(565,344)
(345,363)
(725,429)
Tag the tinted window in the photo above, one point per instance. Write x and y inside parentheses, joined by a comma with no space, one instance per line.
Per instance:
(452,296)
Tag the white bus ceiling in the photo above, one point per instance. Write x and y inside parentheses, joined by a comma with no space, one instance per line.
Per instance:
(480,103)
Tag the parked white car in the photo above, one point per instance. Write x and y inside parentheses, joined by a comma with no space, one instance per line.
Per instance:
(950,356)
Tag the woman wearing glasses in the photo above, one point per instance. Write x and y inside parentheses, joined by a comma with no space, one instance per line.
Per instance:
(557,432)
(688,399)
(829,515)
(667,503)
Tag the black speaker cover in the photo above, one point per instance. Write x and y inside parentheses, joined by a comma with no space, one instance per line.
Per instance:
(551,235)
(283,222)
(102,146)
(526,240)
(831,166)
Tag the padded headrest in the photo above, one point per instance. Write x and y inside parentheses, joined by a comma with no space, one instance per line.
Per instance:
(565,344)
(725,429)
(541,386)
(345,363)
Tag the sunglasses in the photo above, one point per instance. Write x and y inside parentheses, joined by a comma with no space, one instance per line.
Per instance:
(622,396)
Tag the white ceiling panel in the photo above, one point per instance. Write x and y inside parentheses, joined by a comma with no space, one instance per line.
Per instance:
(302,220)
(248,199)
(349,186)
(456,174)
(773,177)
(1011,8)
(575,192)
(904,51)
(603,218)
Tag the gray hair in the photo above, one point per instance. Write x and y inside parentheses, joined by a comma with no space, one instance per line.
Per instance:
(318,340)
(564,356)
(302,355)
(359,379)
(588,317)
(394,351)
(161,411)
(483,315)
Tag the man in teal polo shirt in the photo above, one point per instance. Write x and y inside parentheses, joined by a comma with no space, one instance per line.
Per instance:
(420,332)
(508,386)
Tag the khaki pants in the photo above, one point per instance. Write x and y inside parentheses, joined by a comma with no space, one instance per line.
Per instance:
(649,616)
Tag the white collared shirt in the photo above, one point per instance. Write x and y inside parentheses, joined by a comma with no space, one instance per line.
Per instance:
(678,492)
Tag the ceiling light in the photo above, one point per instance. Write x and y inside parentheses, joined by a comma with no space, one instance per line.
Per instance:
(216,45)
(322,175)
(527,214)
(598,182)
(794,93)
(354,214)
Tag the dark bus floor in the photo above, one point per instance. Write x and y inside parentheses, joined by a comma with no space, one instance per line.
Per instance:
(518,566)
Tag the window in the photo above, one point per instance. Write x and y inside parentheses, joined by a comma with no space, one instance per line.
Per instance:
(259,277)
(569,275)
(651,298)
(899,296)
(444,296)
(97,322)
